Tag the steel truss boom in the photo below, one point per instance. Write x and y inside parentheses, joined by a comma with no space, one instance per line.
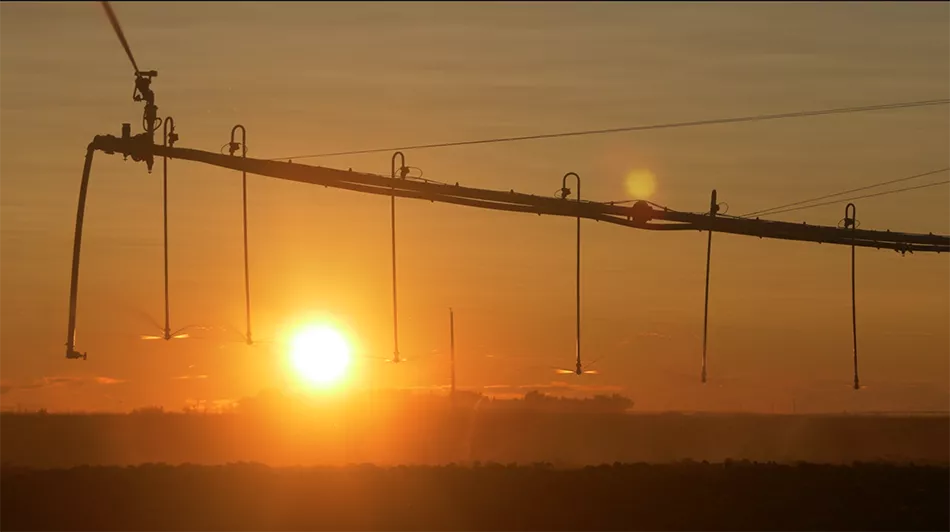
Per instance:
(640,215)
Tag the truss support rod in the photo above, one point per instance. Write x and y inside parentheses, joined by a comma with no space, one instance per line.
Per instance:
(713,209)
(233,147)
(452,350)
(852,222)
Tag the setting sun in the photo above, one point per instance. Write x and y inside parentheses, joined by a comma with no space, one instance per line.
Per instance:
(320,355)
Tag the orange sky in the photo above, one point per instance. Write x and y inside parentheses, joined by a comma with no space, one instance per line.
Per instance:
(320,77)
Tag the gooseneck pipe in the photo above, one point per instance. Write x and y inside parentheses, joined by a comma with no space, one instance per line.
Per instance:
(77,247)
(853,223)
(577,288)
(167,140)
(392,214)
(247,276)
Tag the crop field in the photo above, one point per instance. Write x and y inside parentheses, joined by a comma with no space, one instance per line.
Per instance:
(433,434)
(680,496)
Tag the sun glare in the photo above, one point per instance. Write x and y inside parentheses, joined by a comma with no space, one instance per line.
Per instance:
(320,355)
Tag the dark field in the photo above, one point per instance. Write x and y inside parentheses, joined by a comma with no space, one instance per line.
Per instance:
(685,496)
(433,435)
(68,472)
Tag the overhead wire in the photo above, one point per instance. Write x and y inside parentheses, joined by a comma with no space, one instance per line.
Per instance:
(626,129)
(843,192)
(885,193)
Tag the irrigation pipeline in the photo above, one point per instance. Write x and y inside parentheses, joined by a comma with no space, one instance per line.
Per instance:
(640,215)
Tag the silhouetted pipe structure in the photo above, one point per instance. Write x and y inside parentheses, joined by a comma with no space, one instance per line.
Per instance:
(233,147)
(641,215)
(403,171)
(852,222)
(713,209)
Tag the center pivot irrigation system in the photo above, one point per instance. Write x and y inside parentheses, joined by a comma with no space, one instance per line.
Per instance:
(638,215)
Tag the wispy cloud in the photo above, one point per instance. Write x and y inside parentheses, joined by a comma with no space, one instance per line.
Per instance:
(517,390)
(553,386)
(50,382)
(428,387)
(57,381)
(190,377)
(499,386)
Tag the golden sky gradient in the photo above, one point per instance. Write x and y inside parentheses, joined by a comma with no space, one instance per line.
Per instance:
(309,78)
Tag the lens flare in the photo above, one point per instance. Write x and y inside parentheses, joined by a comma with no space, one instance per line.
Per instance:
(640,183)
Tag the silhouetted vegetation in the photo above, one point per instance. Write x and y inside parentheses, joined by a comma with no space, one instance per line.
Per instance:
(685,496)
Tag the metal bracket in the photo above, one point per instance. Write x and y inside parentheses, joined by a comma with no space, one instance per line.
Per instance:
(233,146)
(143,93)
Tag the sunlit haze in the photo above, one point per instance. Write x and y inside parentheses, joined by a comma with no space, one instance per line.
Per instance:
(308,78)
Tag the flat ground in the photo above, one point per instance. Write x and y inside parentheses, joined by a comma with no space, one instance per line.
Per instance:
(434,436)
